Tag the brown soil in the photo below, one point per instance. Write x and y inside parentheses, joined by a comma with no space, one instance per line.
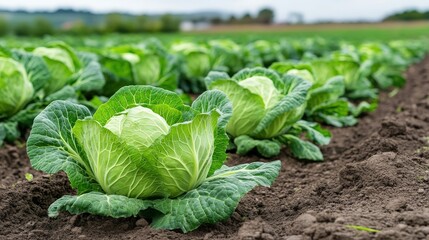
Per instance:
(375,175)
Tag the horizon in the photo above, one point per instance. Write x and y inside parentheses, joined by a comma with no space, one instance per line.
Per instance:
(312,11)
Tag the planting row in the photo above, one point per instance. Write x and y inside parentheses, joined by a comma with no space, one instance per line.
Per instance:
(147,151)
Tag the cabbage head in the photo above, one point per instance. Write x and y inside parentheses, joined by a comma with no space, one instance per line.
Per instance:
(21,77)
(265,105)
(29,81)
(326,100)
(62,63)
(146,64)
(69,71)
(145,149)
(267,109)
(16,89)
(196,62)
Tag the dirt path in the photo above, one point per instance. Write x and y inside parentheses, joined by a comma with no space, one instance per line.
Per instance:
(376,175)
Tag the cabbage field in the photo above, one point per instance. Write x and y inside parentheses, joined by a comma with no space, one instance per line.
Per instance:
(164,139)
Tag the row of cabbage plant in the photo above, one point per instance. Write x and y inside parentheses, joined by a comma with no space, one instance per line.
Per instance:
(145,152)
(185,64)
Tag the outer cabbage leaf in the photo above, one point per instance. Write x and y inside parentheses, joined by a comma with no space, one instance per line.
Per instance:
(363,107)
(214,76)
(65,93)
(259,72)
(338,121)
(9,130)
(116,206)
(216,199)
(338,108)
(266,148)
(333,89)
(287,111)
(363,93)
(248,108)
(89,78)
(51,146)
(315,133)
(213,201)
(206,102)
(302,149)
(117,72)
(26,116)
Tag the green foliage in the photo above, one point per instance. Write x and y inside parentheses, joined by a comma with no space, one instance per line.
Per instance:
(266,106)
(15,87)
(148,64)
(211,202)
(144,143)
(334,80)
(302,149)
(340,73)
(151,152)
(29,81)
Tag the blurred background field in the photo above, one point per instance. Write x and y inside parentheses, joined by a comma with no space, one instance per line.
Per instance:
(79,21)
(349,32)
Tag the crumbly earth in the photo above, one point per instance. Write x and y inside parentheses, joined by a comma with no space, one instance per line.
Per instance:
(375,175)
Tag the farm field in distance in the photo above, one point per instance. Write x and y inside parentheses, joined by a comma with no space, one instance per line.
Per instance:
(336,31)
(293,132)
(354,33)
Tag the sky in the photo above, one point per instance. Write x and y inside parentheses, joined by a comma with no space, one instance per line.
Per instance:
(312,10)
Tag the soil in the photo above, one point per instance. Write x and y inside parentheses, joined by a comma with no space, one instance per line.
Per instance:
(375,175)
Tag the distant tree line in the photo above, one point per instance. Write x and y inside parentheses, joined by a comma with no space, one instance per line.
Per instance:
(264,16)
(113,23)
(408,15)
(39,27)
(116,23)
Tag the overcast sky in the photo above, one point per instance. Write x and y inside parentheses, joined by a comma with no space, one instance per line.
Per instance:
(311,9)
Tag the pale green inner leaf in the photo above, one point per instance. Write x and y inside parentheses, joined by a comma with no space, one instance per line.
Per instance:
(264,87)
(138,126)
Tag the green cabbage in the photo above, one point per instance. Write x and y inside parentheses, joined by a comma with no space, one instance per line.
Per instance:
(331,79)
(266,110)
(147,64)
(68,69)
(61,62)
(265,105)
(16,89)
(145,149)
